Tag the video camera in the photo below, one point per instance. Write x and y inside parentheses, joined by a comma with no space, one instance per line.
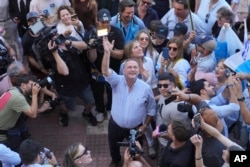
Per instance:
(96,33)
(185,107)
(133,149)
(45,155)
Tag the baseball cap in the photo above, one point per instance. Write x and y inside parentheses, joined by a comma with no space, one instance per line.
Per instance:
(161,31)
(180,29)
(31,15)
(104,15)
(206,42)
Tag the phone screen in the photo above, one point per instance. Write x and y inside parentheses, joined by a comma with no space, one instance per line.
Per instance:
(37,27)
(102,32)
(165,53)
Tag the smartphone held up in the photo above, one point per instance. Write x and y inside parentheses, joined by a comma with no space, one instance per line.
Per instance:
(165,53)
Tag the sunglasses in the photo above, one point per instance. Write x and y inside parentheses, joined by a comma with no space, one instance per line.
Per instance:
(164,85)
(172,48)
(146,3)
(207,17)
(85,152)
(143,39)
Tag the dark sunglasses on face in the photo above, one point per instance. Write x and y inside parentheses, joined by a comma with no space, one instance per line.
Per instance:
(164,85)
(146,3)
(143,39)
(85,152)
(172,48)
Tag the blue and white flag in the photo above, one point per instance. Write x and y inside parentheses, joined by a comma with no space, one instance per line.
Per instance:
(240,62)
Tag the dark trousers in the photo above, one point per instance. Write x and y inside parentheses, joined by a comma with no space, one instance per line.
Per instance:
(117,134)
(98,91)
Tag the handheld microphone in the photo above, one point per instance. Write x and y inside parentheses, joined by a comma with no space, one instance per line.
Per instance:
(162,128)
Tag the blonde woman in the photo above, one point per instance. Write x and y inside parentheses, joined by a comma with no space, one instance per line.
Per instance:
(76,155)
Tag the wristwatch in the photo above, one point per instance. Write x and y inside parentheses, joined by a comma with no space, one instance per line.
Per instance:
(241,99)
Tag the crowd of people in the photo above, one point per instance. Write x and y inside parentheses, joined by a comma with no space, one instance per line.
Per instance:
(147,65)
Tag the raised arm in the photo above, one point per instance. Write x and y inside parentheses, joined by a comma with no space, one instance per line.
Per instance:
(106,71)
(61,66)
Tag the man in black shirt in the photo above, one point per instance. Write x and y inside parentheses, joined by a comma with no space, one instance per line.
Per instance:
(117,53)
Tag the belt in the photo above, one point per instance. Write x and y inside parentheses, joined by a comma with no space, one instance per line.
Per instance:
(124,128)
(3,132)
(5,20)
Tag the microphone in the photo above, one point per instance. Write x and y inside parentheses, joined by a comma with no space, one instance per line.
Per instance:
(162,128)
(159,130)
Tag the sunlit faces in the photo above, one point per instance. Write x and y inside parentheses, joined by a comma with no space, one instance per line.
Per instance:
(209,89)
(127,14)
(143,40)
(179,10)
(27,88)
(172,50)
(83,156)
(136,51)
(131,69)
(220,70)
(164,87)
(221,20)
(65,16)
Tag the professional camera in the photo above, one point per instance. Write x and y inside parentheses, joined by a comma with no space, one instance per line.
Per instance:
(133,149)
(92,34)
(185,107)
(5,61)
(45,82)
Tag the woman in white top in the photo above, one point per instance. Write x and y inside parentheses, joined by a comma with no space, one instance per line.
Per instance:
(68,25)
(175,63)
(144,39)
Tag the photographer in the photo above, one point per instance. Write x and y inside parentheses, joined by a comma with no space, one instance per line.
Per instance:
(137,161)
(33,155)
(13,105)
(71,76)
(38,66)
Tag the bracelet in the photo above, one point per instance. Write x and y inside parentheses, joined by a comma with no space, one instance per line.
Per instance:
(189,97)
(198,158)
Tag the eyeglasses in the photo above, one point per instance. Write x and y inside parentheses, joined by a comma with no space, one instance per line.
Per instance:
(143,39)
(146,3)
(207,17)
(85,152)
(172,48)
(164,85)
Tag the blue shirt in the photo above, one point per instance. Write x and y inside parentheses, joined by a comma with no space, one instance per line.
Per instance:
(8,157)
(130,30)
(129,108)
